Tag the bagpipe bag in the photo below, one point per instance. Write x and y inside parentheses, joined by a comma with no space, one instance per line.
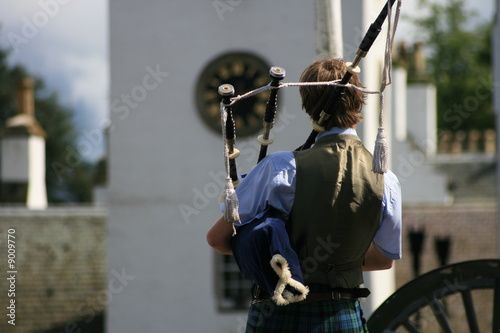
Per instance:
(263,253)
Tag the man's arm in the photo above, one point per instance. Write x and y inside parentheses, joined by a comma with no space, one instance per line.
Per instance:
(219,236)
(388,236)
(375,261)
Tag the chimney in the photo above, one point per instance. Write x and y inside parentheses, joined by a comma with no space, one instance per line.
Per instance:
(22,174)
(25,97)
(419,63)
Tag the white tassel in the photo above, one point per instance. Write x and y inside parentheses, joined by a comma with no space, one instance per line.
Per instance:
(228,195)
(231,204)
(380,163)
(380,153)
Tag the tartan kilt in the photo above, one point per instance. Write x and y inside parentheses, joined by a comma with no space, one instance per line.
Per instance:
(344,316)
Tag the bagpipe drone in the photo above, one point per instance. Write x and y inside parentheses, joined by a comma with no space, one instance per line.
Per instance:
(270,261)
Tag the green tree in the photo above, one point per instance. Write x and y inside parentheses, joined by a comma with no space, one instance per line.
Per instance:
(8,78)
(459,63)
(67,180)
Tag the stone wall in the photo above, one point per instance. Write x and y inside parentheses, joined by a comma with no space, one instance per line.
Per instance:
(59,269)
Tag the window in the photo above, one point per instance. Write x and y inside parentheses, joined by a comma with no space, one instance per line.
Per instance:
(233,292)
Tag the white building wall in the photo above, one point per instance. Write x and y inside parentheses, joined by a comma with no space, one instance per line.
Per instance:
(422,114)
(16,167)
(414,144)
(163,193)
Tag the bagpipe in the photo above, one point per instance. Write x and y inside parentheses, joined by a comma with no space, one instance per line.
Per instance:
(271,261)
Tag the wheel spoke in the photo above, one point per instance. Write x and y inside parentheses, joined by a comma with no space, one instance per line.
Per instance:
(411,327)
(433,289)
(470,311)
(440,314)
(496,307)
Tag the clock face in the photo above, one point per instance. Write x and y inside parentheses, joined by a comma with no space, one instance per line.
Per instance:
(244,72)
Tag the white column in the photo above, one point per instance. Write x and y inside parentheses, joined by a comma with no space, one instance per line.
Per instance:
(398,91)
(37,192)
(382,284)
(329,39)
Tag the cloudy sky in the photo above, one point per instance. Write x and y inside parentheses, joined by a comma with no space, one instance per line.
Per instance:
(66,43)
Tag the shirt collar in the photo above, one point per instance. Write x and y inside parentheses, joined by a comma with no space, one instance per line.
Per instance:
(337,130)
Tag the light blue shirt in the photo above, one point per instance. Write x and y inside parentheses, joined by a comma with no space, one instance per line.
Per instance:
(271,183)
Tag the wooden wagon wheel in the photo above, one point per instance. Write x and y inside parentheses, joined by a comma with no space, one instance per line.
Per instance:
(402,311)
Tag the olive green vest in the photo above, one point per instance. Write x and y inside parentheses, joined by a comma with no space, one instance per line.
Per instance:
(336,211)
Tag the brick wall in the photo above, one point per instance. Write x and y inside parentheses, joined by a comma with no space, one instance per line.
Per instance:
(473,230)
(61,269)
